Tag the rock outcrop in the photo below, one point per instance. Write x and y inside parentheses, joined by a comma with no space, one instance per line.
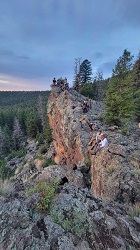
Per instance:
(115,170)
(65,114)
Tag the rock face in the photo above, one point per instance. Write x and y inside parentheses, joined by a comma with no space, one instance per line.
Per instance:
(90,210)
(69,138)
(115,170)
(114,177)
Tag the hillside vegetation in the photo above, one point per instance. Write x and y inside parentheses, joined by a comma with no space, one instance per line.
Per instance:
(22,115)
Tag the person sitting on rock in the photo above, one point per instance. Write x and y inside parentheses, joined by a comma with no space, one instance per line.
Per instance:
(85,107)
(66,86)
(90,124)
(95,141)
(102,144)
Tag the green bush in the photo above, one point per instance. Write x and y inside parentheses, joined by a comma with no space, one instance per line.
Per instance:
(39,157)
(43,150)
(87,90)
(87,161)
(5,171)
(48,132)
(46,193)
(32,165)
(47,163)
(134,211)
(19,154)
(39,138)
(77,222)
(125,130)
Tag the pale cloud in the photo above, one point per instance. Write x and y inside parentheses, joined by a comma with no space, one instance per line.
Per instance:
(11,83)
(4,82)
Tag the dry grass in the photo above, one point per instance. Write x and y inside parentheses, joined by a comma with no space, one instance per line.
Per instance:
(134,211)
(6,186)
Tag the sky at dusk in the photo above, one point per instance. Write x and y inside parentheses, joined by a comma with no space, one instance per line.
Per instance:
(40,39)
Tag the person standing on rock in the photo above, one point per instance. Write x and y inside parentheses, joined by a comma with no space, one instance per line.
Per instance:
(89,103)
(54,81)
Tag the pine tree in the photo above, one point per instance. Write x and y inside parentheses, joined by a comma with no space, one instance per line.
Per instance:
(42,111)
(8,143)
(1,141)
(99,86)
(17,134)
(76,81)
(85,72)
(32,125)
(119,95)
(124,65)
(48,131)
(137,87)
(87,90)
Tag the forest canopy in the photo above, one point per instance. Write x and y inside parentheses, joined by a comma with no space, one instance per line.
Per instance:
(22,114)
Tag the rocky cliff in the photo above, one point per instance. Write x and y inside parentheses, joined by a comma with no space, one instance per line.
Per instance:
(70,132)
(115,170)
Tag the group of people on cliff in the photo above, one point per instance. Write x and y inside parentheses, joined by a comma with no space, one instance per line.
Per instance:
(95,144)
(62,83)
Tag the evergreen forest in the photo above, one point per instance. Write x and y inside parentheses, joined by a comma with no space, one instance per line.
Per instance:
(120,92)
(22,115)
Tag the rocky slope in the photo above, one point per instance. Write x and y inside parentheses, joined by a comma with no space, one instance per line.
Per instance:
(96,201)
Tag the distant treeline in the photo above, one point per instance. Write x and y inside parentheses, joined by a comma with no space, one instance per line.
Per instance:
(21,97)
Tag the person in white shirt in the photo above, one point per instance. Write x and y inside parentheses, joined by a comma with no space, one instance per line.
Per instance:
(104,141)
(102,144)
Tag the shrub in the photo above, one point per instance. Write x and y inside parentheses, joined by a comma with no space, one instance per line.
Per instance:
(46,193)
(101,118)
(32,165)
(39,138)
(48,132)
(43,149)
(39,157)
(125,130)
(87,161)
(87,90)
(5,186)
(77,222)
(19,154)
(135,172)
(5,171)
(47,163)
(134,211)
